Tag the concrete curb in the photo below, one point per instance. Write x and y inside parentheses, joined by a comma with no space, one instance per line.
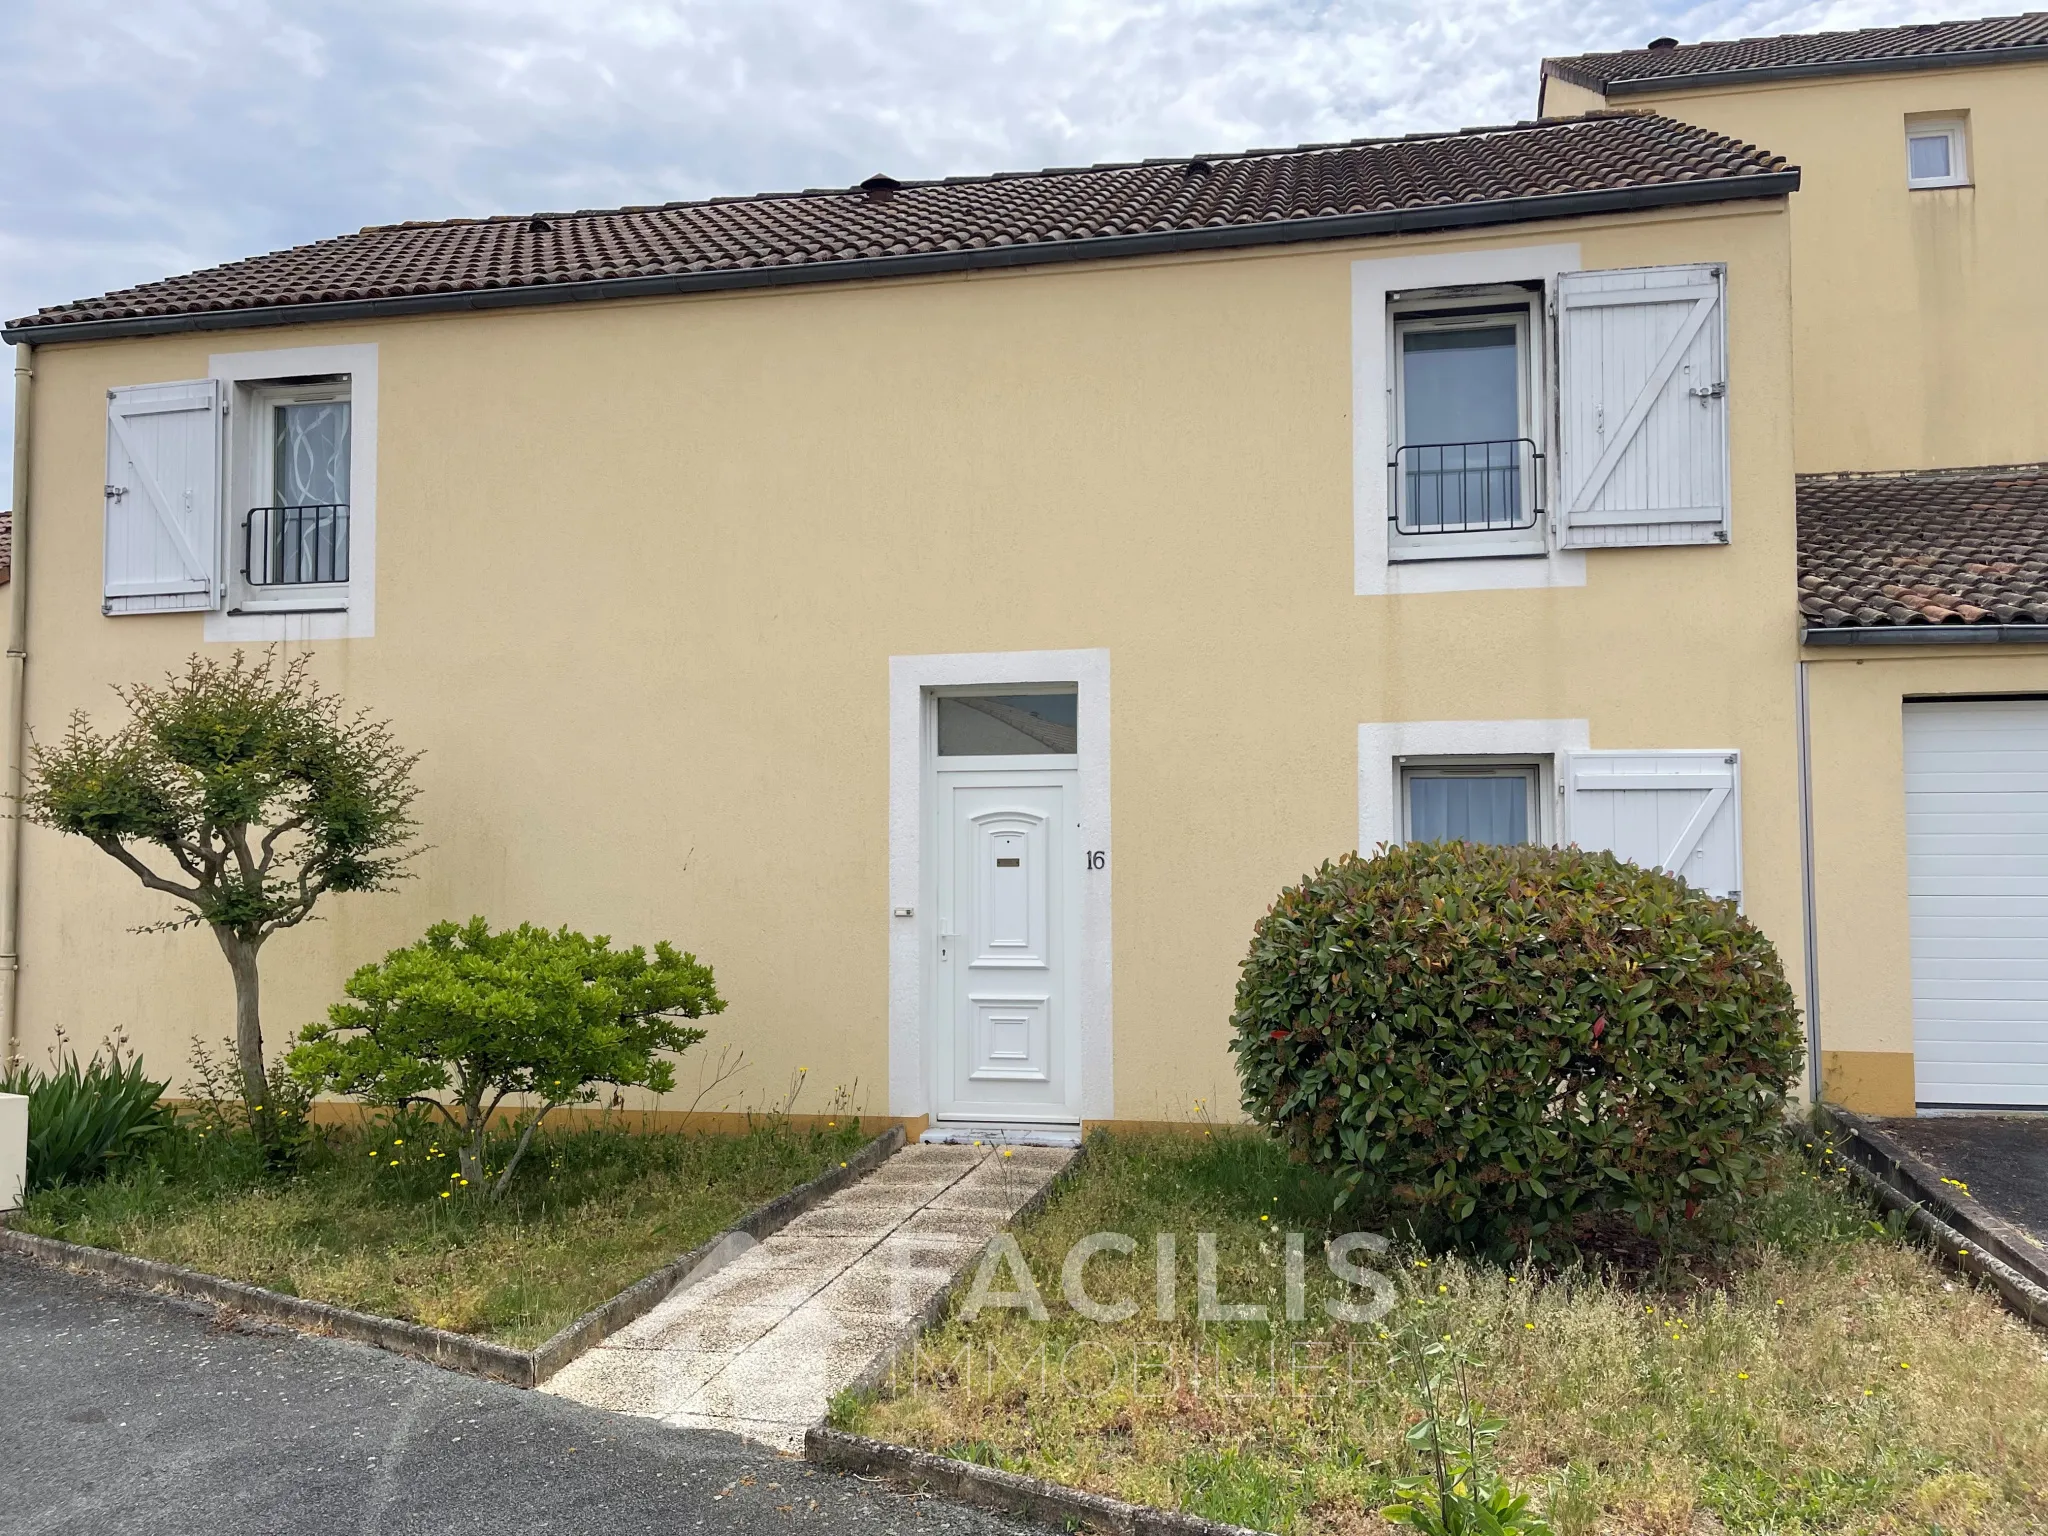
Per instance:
(1010,1492)
(455,1351)
(1973,1241)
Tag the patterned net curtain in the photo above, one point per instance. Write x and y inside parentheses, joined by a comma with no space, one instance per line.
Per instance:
(309,527)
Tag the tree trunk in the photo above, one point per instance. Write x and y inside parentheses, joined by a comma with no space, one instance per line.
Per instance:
(241,955)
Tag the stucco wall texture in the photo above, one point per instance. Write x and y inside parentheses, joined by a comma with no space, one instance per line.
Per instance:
(642,567)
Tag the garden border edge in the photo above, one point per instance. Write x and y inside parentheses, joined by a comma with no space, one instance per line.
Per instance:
(1010,1492)
(438,1346)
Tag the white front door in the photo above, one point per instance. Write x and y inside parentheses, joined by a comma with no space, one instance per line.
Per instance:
(1008,861)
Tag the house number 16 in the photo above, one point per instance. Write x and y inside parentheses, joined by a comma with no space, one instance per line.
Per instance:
(1097,857)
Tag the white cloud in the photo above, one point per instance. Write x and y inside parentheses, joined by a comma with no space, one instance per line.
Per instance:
(147,137)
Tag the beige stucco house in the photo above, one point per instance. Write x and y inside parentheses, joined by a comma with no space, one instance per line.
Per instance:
(1920,424)
(954,609)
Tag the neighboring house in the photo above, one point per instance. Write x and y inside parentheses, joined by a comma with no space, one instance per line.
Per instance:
(786,576)
(1920,427)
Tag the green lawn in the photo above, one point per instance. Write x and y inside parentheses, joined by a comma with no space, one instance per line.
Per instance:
(376,1219)
(1826,1377)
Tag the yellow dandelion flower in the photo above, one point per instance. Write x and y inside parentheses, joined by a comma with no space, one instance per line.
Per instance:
(444,1194)
(1742,1375)
(1530,1326)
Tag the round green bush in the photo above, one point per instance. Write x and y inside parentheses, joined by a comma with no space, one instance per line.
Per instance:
(1504,1045)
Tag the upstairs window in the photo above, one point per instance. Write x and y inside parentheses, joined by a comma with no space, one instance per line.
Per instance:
(1465,477)
(289,542)
(1937,153)
(249,496)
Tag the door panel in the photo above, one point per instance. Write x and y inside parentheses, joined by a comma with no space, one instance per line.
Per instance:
(1004,1031)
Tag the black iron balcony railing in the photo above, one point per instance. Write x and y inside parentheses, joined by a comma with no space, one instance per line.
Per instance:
(295,546)
(1493,487)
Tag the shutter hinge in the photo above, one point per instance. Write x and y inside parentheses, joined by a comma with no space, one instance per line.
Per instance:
(1709,391)
(1720,535)
(116,492)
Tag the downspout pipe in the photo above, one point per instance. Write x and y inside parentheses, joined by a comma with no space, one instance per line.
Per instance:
(1808,898)
(17,716)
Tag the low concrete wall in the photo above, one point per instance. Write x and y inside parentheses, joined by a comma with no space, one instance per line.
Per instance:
(455,1351)
(1973,1241)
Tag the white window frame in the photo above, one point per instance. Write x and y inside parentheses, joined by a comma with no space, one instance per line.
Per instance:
(288,621)
(1373,281)
(1387,748)
(960,761)
(252,475)
(1537,772)
(1471,309)
(1956,131)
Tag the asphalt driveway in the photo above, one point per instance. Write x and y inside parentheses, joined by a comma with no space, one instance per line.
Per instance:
(122,1412)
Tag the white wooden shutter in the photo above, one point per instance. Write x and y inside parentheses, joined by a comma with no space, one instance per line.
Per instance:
(1676,811)
(163,497)
(1642,407)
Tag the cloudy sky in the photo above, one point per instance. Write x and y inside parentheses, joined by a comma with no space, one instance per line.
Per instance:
(146,137)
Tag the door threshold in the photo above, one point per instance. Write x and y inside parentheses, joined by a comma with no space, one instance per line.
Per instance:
(1003,1135)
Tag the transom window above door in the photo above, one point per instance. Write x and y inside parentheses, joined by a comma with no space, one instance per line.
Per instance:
(1008,724)
(1474,802)
(1465,476)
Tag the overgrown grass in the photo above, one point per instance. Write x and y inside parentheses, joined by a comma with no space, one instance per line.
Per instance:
(1828,1377)
(378,1219)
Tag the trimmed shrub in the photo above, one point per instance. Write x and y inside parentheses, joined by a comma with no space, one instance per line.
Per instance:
(1506,1043)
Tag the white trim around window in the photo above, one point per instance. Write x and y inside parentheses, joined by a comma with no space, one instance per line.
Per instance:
(1937,152)
(1388,749)
(912,681)
(257,376)
(1372,282)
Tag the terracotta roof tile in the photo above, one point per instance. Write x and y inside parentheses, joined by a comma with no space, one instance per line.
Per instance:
(1928,45)
(1954,546)
(1042,215)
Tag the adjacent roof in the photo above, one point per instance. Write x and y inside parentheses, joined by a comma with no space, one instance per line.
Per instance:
(881,228)
(1921,45)
(1966,549)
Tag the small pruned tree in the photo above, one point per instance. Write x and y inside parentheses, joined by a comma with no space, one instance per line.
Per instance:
(467,1018)
(245,791)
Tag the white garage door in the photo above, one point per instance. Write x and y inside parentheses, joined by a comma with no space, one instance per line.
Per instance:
(1977,882)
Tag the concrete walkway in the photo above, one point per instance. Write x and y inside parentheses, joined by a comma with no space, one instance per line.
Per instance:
(760,1347)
